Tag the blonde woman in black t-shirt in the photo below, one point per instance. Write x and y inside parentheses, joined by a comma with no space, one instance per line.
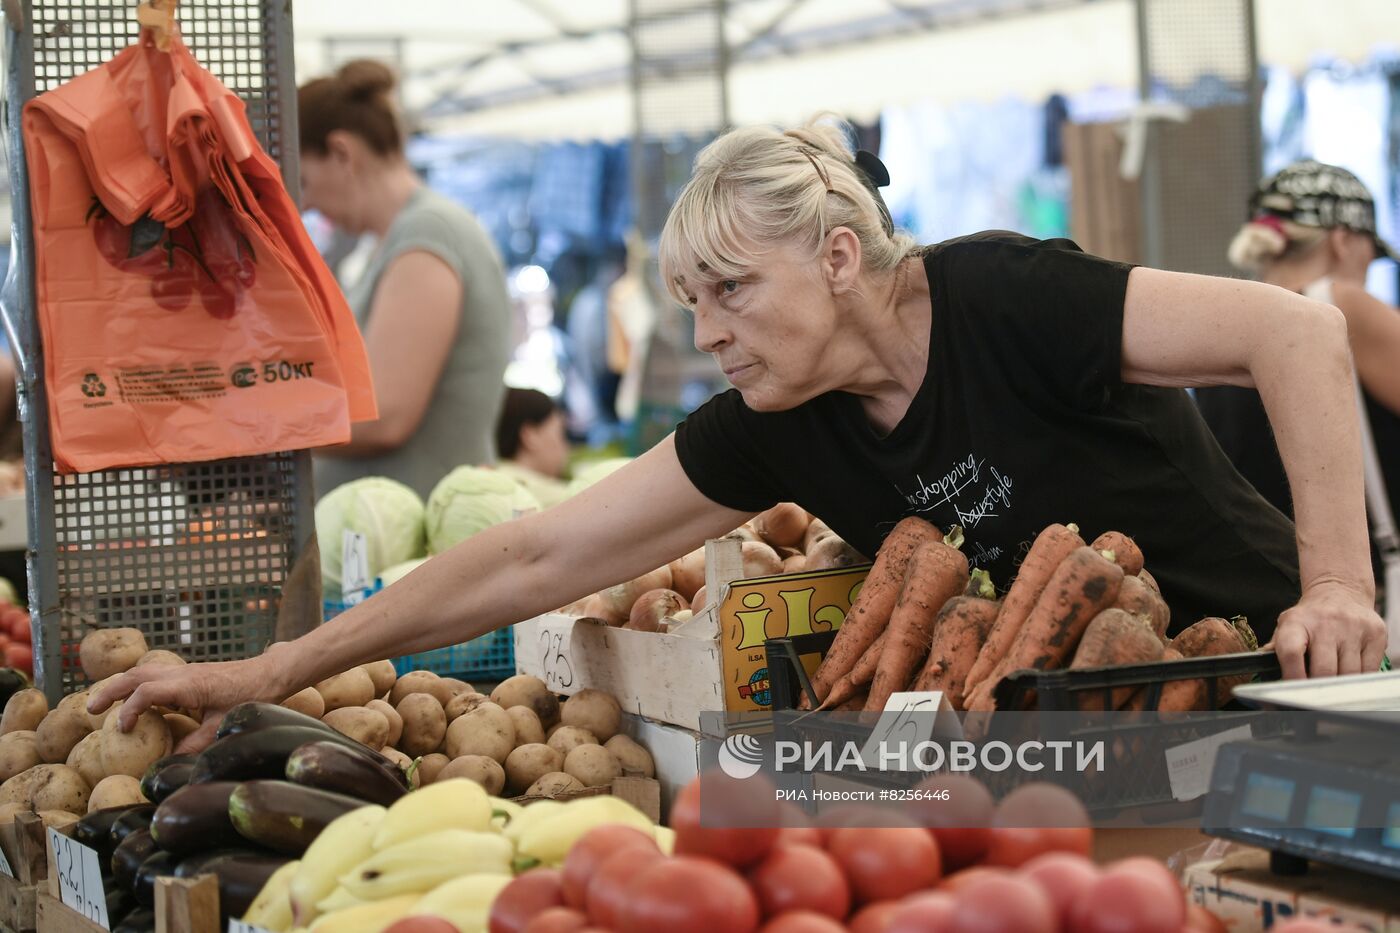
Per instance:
(993,381)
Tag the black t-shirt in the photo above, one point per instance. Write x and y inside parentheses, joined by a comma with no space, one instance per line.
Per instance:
(1022,420)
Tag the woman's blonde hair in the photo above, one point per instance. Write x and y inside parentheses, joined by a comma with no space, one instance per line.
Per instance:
(1267,239)
(762,185)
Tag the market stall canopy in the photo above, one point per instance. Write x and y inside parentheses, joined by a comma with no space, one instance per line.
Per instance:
(559,68)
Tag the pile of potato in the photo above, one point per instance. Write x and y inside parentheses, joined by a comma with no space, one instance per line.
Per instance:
(521,740)
(784,539)
(64,762)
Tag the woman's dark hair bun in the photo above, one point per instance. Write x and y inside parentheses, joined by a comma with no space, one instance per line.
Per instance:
(366,79)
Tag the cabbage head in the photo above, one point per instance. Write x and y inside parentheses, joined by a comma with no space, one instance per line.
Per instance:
(385,511)
(590,473)
(469,500)
(397,572)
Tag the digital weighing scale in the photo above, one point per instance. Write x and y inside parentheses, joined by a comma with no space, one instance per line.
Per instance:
(1330,790)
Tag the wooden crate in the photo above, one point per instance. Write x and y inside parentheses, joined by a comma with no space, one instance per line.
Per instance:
(644,793)
(183,905)
(23,844)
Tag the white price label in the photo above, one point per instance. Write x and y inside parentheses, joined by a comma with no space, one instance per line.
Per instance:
(907,720)
(1189,765)
(5,868)
(354,567)
(239,926)
(79,878)
(557,666)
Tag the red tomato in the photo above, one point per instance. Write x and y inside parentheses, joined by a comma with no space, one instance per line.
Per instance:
(956,882)
(20,657)
(962,823)
(4,640)
(1200,920)
(1003,904)
(1127,900)
(21,632)
(857,815)
(887,862)
(798,836)
(1064,876)
(930,912)
(876,917)
(591,850)
(1036,818)
(689,895)
(531,893)
(612,883)
(740,819)
(801,878)
(802,921)
(557,920)
(422,925)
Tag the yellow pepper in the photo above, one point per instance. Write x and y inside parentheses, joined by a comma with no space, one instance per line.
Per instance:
(529,816)
(550,839)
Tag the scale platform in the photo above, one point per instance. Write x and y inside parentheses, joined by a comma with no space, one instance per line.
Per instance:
(1329,790)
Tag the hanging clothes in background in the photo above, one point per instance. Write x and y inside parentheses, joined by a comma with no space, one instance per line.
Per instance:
(957,169)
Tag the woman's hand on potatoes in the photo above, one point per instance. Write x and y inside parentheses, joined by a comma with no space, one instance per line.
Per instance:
(211,688)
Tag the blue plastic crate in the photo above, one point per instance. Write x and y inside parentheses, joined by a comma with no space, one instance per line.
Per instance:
(492,656)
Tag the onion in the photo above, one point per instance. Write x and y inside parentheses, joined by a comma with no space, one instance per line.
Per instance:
(784,525)
(760,560)
(688,573)
(621,597)
(797,563)
(596,607)
(831,553)
(697,605)
(815,530)
(651,607)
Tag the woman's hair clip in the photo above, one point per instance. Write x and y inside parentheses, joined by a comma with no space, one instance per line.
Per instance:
(872,168)
(875,176)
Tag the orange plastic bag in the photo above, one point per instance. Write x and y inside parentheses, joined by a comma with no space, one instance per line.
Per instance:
(184,312)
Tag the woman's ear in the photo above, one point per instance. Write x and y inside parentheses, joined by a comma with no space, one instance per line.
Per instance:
(841,260)
(343,147)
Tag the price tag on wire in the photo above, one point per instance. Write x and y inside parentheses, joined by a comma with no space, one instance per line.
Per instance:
(79,878)
(355,582)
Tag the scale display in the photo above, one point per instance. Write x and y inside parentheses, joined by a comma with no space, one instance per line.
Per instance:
(1332,798)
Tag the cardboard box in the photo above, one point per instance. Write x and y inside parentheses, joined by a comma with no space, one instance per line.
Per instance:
(713,662)
(1243,892)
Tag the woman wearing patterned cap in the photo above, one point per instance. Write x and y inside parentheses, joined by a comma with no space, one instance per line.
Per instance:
(1312,230)
(992,381)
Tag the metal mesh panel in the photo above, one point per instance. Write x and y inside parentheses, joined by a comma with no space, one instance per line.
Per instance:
(1198,54)
(194,555)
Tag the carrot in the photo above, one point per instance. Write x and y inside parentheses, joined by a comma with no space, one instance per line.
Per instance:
(858,677)
(1137,598)
(1051,547)
(1138,702)
(1207,638)
(871,612)
(958,634)
(854,705)
(1114,638)
(1126,553)
(1083,585)
(937,573)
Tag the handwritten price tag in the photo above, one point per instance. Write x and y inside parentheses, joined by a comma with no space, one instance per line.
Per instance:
(238,926)
(907,720)
(1189,765)
(79,878)
(557,666)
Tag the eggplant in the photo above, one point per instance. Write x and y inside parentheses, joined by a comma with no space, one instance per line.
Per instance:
(133,820)
(255,717)
(140,920)
(166,776)
(119,902)
(356,772)
(11,682)
(262,755)
(127,859)
(195,818)
(95,829)
(159,865)
(283,816)
(192,866)
(241,876)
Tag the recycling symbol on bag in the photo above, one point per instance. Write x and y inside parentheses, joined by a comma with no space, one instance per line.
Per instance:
(93,386)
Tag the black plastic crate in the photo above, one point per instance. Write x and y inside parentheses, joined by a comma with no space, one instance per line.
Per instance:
(1140,744)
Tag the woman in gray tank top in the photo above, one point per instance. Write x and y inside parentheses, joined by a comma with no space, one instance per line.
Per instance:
(431,302)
